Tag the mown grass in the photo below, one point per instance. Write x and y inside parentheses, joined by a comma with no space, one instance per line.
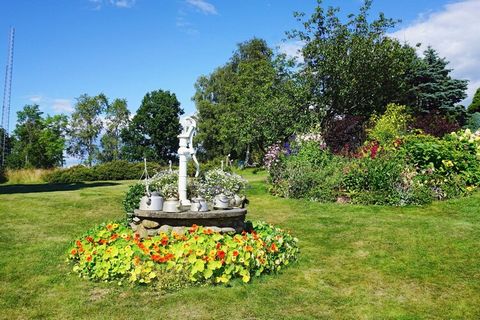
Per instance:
(357,262)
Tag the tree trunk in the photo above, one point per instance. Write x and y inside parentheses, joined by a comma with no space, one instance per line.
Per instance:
(247,155)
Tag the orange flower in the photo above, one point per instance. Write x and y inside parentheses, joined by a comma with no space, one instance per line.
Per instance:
(114,237)
(218,245)
(193,228)
(207,231)
(109,227)
(73,252)
(248,248)
(235,253)
(273,247)
(136,260)
(89,239)
(220,254)
(78,243)
(89,258)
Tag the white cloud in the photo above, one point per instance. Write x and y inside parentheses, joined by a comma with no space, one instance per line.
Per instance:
(123,3)
(36,98)
(454,32)
(292,49)
(62,105)
(203,6)
(116,3)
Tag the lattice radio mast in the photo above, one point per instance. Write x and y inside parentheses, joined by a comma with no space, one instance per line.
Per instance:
(7,91)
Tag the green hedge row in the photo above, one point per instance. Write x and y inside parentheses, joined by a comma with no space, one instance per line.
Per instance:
(115,170)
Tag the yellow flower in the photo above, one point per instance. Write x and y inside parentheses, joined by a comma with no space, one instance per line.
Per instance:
(447,163)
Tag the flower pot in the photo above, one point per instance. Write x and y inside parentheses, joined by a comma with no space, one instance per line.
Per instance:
(221,202)
(171,205)
(153,202)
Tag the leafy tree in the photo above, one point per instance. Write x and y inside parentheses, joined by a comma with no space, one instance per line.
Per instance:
(117,118)
(250,102)
(351,68)
(153,131)
(37,142)
(85,127)
(431,89)
(475,105)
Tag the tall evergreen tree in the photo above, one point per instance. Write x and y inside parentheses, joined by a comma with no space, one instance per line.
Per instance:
(432,89)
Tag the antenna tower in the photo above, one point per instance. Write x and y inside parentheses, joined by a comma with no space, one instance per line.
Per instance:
(7,91)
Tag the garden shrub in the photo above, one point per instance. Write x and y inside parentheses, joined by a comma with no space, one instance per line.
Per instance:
(114,170)
(435,124)
(414,169)
(132,197)
(345,135)
(389,126)
(112,252)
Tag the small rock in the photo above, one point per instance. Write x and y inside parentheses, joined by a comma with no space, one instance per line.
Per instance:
(142,232)
(152,232)
(214,229)
(136,220)
(150,224)
(228,230)
(179,230)
(165,229)
(133,226)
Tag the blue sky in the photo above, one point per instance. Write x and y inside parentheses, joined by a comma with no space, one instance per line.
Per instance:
(125,48)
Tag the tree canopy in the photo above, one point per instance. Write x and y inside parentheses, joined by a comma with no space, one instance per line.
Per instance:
(117,117)
(352,67)
(38,142)
(85,127)
(250,102)
(153,131)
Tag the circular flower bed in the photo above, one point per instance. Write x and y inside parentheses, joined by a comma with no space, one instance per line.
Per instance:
(112,252)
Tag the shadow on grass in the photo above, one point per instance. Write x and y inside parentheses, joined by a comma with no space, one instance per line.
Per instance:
(32,188)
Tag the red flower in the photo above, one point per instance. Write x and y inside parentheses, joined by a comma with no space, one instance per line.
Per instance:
(218,245)
(235,253)
(89,239)
(193,228)
(221,254)
(164,241)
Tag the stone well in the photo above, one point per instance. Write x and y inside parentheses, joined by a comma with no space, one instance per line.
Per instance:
(150,223)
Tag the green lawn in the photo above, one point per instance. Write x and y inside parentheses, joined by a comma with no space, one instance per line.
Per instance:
(356,262)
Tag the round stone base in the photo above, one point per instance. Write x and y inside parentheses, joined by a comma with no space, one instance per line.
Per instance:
(150,223)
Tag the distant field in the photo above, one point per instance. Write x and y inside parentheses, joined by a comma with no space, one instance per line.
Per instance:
(356,262)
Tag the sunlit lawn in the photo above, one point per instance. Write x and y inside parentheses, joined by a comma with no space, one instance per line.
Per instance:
(356,261)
